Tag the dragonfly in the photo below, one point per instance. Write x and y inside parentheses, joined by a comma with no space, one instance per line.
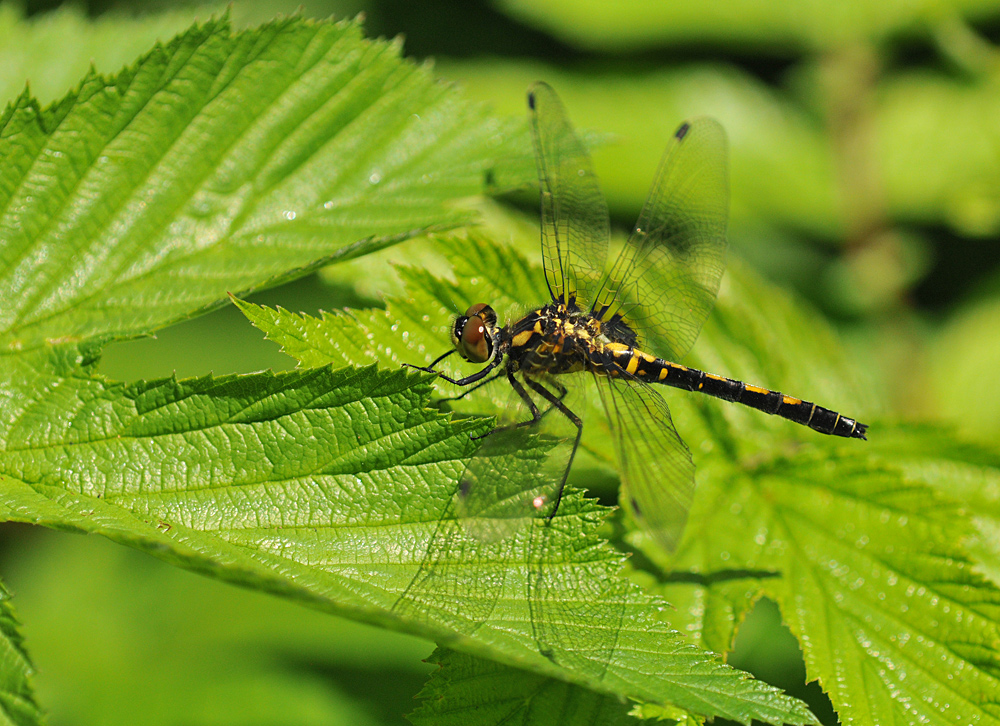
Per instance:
(601,318)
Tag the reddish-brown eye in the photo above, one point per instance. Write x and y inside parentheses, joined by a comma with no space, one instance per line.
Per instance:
(475,346)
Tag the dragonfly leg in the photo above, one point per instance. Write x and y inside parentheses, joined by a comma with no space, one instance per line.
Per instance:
(536,415)
(560,388)
(474,388)
(430,368)
(468,380)
(561,391)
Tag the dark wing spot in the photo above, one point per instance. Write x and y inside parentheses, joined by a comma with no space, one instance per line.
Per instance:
(682,131)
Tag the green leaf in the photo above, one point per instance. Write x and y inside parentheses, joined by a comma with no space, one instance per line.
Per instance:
(139,200)
(226,161)
(336,488)
(17,698)
(958,471)
(349,338)
(869,571)
(52,50)
(472,690)
(867,548)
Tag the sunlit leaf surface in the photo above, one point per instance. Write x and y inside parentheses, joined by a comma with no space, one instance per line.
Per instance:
(228,161)
(863,546)
(224,161)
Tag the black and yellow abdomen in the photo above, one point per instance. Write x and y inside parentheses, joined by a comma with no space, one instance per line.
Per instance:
(622,360)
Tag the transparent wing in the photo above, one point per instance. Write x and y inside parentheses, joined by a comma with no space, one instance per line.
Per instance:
(655,465)
(526,579)
(505,489)
(570,607)
(449,586)
(518,471)
(665,281)
(508,492)
(575,226)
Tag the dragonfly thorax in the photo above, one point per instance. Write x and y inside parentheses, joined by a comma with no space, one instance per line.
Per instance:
(552,339)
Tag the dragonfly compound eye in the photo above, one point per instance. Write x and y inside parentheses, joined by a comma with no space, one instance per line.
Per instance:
(483,312)
(474,344)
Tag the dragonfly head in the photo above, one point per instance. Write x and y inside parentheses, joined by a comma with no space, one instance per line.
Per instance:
(474,333)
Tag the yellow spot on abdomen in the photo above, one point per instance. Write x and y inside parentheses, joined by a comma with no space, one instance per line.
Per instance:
(633,364)
(791,401)
(757,389)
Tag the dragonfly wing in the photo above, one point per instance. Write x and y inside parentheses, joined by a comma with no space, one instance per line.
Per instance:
(449,587)
(509,491)
(572,608)
(655,465)
(516,473)
(506,489)
(666,279)
(506,485)
(575,226)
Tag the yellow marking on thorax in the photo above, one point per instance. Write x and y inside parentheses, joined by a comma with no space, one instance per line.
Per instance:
(616,347)
(522,338)
(757,389)
(791,401)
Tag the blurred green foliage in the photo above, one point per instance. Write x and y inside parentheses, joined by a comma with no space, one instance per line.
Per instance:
(865,173)
(123,637)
